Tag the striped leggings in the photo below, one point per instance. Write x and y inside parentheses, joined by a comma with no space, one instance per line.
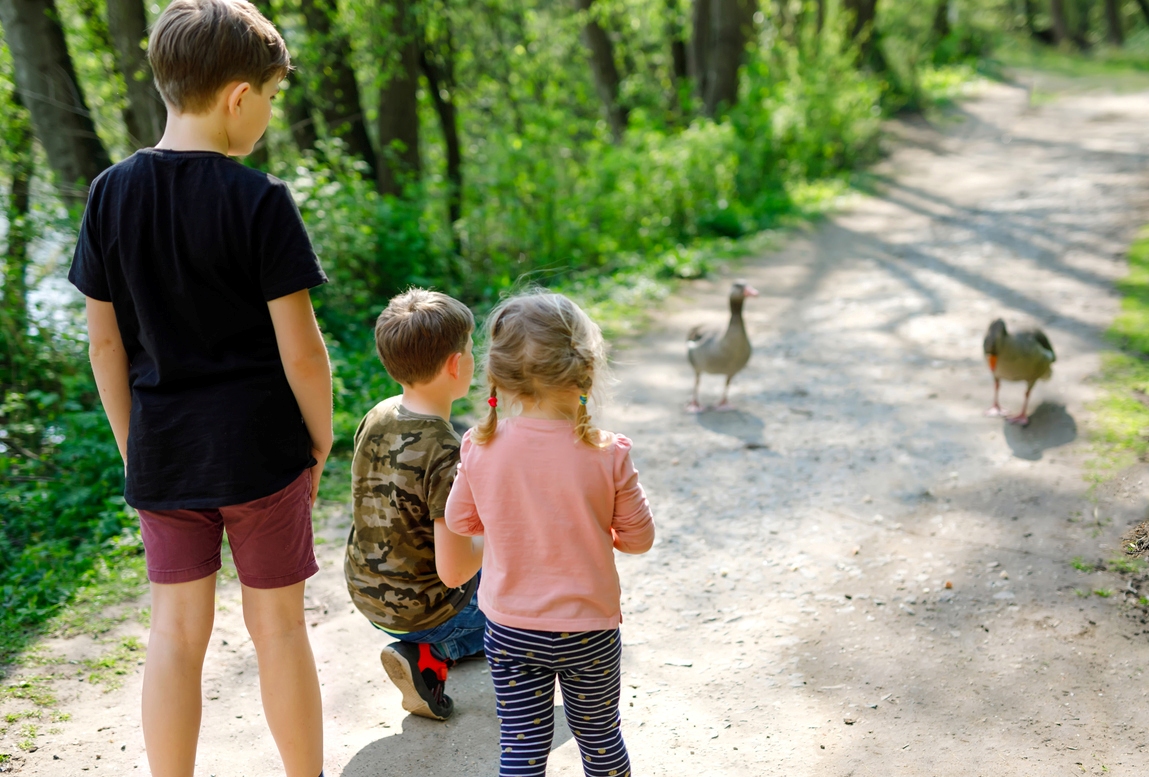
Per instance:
(588,664)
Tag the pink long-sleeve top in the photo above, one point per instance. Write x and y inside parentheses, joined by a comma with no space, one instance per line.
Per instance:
(551,510)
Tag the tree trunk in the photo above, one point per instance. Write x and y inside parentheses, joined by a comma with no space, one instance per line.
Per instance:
(864,30)
(679,69)
(820,16)
(145,115)
(297,107)
(606,78)
(730,25)
(47,84)
(16,259)
(330,66)
(1060,27)
(1114,33)
(441,83)
(1144,6)
(398,122)
(942,20)
(1030,12)
(698,55)
(1081,29)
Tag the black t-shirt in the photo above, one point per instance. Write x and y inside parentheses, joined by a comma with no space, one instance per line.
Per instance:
(189,246)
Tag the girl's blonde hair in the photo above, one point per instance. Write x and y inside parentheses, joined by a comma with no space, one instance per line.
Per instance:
(539,342)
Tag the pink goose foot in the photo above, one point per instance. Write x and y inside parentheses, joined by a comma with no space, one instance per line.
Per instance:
(995,411)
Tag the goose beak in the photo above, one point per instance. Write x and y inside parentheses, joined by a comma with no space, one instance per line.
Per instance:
(749,291)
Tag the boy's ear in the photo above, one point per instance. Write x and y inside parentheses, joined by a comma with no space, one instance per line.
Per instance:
(452,365)
(235,96)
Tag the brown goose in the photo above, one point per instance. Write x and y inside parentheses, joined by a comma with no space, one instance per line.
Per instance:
(1026,355)
(720,352)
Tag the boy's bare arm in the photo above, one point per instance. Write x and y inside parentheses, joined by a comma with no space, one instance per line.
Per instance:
(110,368)
(457,558)
(304,356)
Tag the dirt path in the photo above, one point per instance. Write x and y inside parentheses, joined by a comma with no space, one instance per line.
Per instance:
(795,616)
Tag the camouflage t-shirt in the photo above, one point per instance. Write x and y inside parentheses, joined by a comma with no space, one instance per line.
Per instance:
(401,473)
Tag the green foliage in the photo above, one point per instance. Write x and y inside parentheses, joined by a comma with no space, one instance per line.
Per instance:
(1122,423)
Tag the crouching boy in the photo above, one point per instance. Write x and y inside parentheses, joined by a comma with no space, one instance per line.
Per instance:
(406,454)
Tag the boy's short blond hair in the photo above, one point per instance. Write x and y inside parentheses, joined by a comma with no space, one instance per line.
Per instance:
(418,331)
(199,46)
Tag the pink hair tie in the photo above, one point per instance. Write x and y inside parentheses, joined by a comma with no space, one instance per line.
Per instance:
(493,402)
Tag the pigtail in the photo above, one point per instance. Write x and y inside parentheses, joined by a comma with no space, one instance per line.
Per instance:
(486,428)
(584,429)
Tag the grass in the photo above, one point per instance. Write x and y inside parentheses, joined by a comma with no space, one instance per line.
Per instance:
(109,669)
(1121,427)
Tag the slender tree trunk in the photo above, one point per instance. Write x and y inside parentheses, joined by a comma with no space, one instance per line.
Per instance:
(1029,12)
(340,105)
(398,122)
(47,84)
(864,30)
(606,78)
(1144,6)
(441,83)
(297,106)
(145,115)
(942,20)
(820,16)
(1060,26)
(731,22)
(1081,29)
(679,71)
(698,58)
(16,259)
(1114,33)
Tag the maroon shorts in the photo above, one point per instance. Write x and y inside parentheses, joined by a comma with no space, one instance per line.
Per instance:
(270,539)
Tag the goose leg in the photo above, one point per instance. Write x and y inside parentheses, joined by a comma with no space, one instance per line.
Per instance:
(693,406)
(723,405)
(1021,419)
(996,409)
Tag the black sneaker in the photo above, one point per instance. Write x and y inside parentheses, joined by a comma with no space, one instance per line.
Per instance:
(421,677)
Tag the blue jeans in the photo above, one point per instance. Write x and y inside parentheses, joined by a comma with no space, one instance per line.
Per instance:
(456,638)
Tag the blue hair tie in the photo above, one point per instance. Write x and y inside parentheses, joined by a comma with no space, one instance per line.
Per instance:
(582,399)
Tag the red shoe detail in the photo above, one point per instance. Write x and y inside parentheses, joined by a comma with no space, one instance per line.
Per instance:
(427,660)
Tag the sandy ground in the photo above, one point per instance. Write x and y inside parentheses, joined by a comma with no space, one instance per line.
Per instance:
(795,616)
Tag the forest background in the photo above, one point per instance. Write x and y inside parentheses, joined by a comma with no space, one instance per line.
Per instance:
(604,147)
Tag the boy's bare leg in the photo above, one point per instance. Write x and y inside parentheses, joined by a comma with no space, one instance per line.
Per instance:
(182,616)
(288,681)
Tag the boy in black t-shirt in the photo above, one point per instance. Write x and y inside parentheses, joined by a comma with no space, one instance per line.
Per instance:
(213,374)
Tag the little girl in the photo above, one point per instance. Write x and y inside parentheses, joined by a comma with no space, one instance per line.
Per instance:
(552,496)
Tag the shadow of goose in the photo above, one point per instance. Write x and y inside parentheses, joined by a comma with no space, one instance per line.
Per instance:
(748,428)
(1050,426)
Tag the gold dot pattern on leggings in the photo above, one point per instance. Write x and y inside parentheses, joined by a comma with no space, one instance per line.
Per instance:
(582,695)
(588,758)
(586,717)
(562,658)
(538,721)
(613,772)
(502,652)
(602,751)
(531,762)
(566,634)
(520,736)
(612,642)
(503,703)
(513,683)
(585,640)
(594,663)
(578,733)
(507,750)
(606,671)
(538,693)
(530,655)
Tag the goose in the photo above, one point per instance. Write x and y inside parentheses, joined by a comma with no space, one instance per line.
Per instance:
(1026,355)
(716,351)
